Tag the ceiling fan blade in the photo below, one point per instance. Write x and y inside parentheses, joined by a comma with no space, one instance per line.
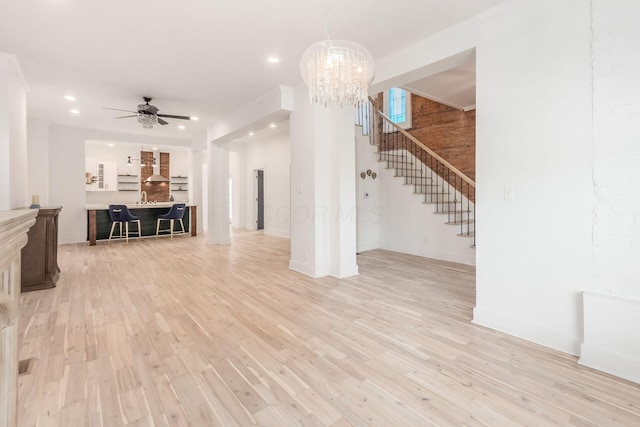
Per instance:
(172,116)
(118,109)
(162,122)
(124,117)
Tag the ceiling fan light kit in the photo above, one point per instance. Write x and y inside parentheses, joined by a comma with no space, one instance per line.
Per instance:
(147,114)
(147,120)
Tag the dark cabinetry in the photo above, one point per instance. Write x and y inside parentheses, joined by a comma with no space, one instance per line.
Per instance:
(40,255)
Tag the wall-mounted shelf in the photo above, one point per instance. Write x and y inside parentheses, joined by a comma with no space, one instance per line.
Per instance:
(126,179)
(179,183)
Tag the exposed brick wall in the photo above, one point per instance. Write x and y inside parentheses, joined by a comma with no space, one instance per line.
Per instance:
(449,132)
(156,191)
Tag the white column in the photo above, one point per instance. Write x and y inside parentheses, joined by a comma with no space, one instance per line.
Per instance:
(13,135)
(218,203)
(323,203)
(195,190)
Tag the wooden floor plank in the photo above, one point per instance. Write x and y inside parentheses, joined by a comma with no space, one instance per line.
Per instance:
(228,335)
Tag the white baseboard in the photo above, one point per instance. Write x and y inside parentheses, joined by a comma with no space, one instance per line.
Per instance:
(346,272)
(468,258)
(611,335)
(277,233)
(316,272)
(528,331)
(612,363)
(368,247)
(307,270)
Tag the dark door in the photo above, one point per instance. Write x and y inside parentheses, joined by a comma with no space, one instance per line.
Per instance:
(260,200)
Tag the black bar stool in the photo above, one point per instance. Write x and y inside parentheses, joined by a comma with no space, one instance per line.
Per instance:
(175,214)
(120,214)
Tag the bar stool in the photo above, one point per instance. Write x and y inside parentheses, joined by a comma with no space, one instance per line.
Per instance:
(120,214)
(175,213)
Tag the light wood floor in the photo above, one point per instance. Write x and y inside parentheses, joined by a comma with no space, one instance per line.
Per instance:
(180,333)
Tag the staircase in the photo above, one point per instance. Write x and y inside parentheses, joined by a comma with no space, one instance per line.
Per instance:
(434,180)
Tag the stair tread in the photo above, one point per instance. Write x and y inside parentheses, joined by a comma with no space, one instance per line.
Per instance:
(420,184)
(466,221)
(392,155)
(471,234)
(451,212)
(439,202)
(408,173)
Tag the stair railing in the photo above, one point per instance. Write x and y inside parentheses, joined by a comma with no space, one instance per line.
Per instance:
(441,183)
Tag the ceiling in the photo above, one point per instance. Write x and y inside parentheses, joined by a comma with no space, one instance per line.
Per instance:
(455,87)
(203,58)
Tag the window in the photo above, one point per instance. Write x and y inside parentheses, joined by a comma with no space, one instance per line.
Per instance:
(397,106)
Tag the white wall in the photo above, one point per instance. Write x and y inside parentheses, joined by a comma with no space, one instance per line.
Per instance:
(409,226)
(534,253)
(13,135)
(616,114)
(239,190)
(370,212)
(612,313)
(67,173)
(38,159)
(272,155)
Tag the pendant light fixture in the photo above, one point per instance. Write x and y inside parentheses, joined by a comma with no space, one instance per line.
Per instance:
(337,72)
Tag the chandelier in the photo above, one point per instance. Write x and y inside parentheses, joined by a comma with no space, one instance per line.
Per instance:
(337,72)
(147,120)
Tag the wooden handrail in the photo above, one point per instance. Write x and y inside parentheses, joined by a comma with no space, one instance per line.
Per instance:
(425,148)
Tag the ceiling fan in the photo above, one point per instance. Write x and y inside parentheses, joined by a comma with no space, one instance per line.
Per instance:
(147,114)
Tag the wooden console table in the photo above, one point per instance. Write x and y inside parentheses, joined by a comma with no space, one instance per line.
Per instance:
(40,257)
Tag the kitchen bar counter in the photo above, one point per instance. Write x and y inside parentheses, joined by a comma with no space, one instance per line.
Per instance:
(99,222)
(135,205)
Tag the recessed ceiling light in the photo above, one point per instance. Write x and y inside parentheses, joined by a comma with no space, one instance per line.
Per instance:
(155,148)
(70,98)
(272,125)
(194,118)
(74,111)
(181,127)
(250,133)
(110,145)
(273,60)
